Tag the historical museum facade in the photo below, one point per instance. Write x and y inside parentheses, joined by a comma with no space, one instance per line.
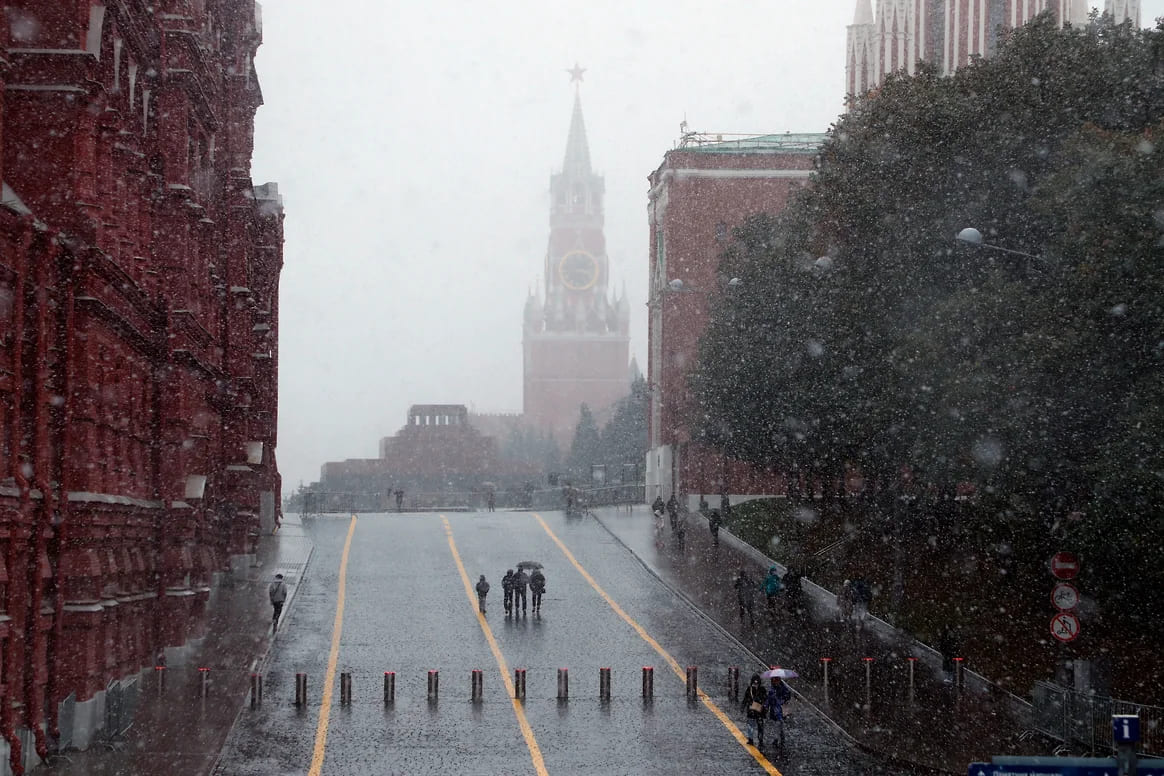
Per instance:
(702,190)
(139,271)
(576,334)
(947,33)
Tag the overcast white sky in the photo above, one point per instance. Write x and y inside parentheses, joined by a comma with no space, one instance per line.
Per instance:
(413,144)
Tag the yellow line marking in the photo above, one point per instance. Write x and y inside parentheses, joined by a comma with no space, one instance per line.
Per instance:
(535,751)
(332,658)
(679,671)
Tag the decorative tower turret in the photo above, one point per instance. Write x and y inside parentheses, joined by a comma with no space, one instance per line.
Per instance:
(1124,10)
(577,345)
(860,75)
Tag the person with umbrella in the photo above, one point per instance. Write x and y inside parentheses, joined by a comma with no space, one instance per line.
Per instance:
(778,695)
(753,704)
(537,586)
(520,584)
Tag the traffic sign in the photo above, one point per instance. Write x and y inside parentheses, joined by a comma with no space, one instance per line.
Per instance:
(1064,565)
(1125,728)
(1065,626)
(1065,597)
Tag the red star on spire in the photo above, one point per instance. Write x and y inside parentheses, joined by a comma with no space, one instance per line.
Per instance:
(576,73)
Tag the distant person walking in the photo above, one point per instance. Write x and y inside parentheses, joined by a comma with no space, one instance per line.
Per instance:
(277,592)
(772,588)
(492,501)
(399,500)
(746,595)
(482,591)
(520,582)
(537,586)
(754,701)
(673,510)
(862,598)
(714,521)
(794,591)
(725,506)
(845,602)
(658,507)
(948,647)
(507,591)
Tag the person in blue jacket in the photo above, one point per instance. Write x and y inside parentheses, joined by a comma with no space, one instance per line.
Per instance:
(772,587)
(778,695)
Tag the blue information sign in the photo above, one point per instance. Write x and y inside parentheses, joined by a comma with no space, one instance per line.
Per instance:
(1060,766)
(1125,728)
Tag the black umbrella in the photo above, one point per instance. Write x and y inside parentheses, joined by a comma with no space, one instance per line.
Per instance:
(529,564)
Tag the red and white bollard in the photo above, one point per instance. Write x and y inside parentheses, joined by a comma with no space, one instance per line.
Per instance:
(733,683)
(434,684)
(204,682)
(692,683)
(519,684)
(389,687)
(563,684)
(603,684)
(868,682)
(825,661)
(648,683)
(256,690)
(478,686)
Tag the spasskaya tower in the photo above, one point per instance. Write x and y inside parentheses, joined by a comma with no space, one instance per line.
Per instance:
(576,340)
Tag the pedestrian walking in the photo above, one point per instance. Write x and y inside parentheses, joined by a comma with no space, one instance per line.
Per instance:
(772,587)
(714,521)
(673,510)
(794,591)
(753,704)
(862,597)
(746,596)
(845,602)
(277,592)
(778,695)
(681,528)
(399,500)
(492,501)
(520,582)
(507,591)
(482,591)
(537,586)
(948,647)
(658,507)
(725,505)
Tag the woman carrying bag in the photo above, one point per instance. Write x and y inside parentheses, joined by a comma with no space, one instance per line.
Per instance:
(754,709)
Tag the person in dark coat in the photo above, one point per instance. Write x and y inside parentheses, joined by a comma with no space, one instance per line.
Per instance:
(520,582)
(725,505)
(948,647)
(399,500)
(778,695)
(746,595)
(277,592)
(714,521)
(507,591)
(537,586)
(482,591)
(658,507)
(673,510)
(794,591)
(755,698)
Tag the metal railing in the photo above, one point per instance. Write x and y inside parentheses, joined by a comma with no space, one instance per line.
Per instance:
(1076,717)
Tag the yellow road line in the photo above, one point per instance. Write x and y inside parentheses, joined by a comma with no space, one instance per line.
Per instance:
(332,658)
(535,751)
(679,671)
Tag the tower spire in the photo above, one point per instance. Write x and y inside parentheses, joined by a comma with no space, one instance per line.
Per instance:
(577,161)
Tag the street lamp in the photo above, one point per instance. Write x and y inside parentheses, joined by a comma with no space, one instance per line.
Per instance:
(972,236)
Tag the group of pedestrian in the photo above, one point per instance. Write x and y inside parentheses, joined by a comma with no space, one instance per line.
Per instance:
(853,602)
(772,586)
(515,586)
(762,705)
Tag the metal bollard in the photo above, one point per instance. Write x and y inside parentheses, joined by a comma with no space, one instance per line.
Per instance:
(563,684)
(203,682)
(345,689)
(389,687)
(692,683)
(160,673)
(648,683)
(868,682)
(478,685)
(959,677)
(825,662)
(912,665)
(734,683)
(256,690)
(519,684)
(434,684)
(603,684)
(300,689)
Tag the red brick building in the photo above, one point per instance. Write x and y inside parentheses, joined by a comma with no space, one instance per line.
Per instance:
(576,337)
(139,271)
(702,190)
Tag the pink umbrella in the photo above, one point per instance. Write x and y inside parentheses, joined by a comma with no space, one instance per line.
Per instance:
(783,673)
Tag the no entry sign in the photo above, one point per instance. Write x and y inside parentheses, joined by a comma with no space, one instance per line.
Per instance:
(1064,565)
(1065,597)
(1065,626)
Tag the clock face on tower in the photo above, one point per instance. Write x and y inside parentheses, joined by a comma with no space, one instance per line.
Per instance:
(578,270)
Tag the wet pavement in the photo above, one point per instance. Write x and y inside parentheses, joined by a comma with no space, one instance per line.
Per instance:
(175,730)
(406,609)
(869,693)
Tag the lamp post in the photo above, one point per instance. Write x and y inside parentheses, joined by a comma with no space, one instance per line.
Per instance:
(972,236)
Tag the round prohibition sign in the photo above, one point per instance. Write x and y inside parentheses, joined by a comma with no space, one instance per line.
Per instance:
(1065,597)
(1065,626)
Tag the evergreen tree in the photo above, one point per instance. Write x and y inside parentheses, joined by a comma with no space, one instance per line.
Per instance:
(586,448)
